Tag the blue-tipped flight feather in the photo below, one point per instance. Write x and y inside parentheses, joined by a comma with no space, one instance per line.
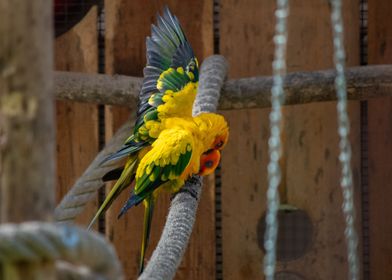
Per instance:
(127,149)
(132,201)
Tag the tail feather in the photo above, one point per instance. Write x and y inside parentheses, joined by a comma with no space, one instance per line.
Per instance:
(149,203)
(126,178)
(132,201)
(113,174)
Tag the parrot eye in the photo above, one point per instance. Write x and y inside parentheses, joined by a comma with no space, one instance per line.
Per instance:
(219,145)
(209,163)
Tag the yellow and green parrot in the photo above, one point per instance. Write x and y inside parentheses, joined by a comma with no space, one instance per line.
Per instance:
(168,145)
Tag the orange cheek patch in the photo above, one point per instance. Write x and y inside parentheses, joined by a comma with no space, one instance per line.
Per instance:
(208,162)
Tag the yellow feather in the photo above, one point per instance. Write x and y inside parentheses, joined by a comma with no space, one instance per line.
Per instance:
(178,104)
(166,98)
(191,76)
(174,158)
(148,169)
(180,70)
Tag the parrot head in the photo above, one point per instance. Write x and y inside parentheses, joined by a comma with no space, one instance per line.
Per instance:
(214,129)
(216,134)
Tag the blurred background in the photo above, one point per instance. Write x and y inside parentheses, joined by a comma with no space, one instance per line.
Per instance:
(227,241)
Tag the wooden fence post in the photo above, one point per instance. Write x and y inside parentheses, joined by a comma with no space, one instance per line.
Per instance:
(77,123)
(379,248)
(26,121)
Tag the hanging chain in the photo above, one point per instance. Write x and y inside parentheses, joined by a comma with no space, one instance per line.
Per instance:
(274,143)
(344,143)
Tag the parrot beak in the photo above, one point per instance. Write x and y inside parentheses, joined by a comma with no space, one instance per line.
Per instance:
(208,162)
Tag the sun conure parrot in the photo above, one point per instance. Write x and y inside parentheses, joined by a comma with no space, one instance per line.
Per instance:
(168,145)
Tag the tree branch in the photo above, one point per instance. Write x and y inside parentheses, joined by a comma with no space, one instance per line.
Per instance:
(300,87)
(97,88)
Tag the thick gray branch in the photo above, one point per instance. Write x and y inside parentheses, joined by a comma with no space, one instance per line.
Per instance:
(212,77)
(98,88)
(178,228)
(300,87)
(175,236)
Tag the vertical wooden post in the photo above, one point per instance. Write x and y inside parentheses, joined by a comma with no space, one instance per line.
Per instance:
(380,147)
(27,135)
(26,126)
(77,123)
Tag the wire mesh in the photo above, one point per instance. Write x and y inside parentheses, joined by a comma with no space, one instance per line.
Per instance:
(295,234)
(363,9)
(363,31)
(218,171)
(69,12)
(101,107)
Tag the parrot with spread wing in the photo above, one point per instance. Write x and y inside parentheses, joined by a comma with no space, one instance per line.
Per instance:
(168,145)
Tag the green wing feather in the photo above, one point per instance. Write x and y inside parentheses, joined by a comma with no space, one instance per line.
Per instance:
(171,65)
(158,166)
(161,174)
(146,185)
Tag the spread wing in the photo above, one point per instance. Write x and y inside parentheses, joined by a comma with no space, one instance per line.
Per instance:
(171,72)
(171,66)
(169,159)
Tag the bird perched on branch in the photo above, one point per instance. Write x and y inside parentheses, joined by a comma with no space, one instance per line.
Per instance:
(168,145)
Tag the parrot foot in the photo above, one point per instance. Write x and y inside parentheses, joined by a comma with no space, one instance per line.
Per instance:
(192,192)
